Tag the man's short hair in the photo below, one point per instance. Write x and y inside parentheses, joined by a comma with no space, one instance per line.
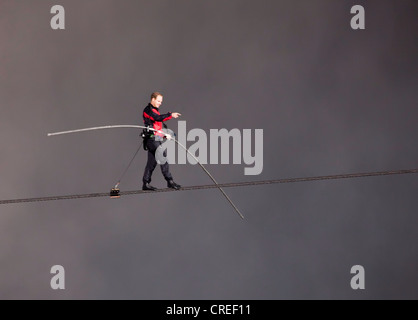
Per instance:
(155,94)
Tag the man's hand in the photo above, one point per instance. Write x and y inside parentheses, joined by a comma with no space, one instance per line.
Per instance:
(175,114)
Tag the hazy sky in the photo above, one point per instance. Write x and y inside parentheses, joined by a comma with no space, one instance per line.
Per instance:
(330,100)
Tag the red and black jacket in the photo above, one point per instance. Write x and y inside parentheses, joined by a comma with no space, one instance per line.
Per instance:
(153,118)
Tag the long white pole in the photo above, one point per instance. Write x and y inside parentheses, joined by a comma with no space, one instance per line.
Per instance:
(142,127)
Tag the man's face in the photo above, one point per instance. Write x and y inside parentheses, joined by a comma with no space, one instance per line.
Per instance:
(156,102)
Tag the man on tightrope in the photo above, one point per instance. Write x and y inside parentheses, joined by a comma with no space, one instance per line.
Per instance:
(153,140)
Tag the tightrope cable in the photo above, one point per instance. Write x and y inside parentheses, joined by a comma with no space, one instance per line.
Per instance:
(222,185)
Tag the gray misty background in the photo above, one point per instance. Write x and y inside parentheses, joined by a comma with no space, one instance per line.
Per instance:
(330,100)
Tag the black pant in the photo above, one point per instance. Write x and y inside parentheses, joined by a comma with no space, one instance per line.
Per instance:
(152,146)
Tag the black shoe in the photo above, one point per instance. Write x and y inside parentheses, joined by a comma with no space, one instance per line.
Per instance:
(147,186)
(171,184)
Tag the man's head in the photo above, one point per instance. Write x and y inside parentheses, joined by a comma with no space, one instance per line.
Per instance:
(156,99)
